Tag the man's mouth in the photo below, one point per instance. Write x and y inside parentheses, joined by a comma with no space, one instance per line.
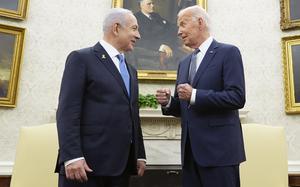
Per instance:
(183,37)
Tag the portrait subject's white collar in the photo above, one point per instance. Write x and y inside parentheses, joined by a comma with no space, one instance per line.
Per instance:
(147,15)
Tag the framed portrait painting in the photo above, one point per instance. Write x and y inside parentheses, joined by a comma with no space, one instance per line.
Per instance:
(13,8)
(290,14)
(11,40)
(291,64)
(157,54)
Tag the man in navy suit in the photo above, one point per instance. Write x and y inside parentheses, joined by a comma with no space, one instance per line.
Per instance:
(100,137)
(210,89)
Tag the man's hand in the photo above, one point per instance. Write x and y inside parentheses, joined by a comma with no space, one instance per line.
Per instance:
(184,91)
(166,49)
(163,96)
(141,166)
(77,171)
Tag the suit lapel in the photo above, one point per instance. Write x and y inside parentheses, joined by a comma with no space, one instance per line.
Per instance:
(132,81)
(210,53)
(105,59)
(183,74)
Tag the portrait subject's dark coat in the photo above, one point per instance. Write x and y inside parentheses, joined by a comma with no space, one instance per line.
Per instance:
(155,31)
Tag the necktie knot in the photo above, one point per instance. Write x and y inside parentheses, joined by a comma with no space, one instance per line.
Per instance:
(196,51)
(121,58)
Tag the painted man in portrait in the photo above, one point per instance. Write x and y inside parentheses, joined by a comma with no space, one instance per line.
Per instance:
(158,47)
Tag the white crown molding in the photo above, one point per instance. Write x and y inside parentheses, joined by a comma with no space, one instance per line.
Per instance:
(6,167)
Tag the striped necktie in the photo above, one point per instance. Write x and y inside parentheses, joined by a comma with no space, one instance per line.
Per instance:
(193,66)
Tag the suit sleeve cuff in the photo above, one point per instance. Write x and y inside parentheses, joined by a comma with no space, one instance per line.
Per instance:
(168,105)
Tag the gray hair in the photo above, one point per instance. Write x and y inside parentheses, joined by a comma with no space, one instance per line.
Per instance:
(197,12)
(115,15)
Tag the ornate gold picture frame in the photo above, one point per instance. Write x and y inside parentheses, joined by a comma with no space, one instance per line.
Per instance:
(11,40)
(148,56)
(13,8)
(291,64)
(290,14)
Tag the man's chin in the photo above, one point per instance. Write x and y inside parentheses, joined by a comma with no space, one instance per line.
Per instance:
(186,43)
(130,48)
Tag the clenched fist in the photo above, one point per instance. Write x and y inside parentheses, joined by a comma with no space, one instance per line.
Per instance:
(163,96)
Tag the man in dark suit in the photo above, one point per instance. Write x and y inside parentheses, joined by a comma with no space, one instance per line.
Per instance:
(100,137)
(210,89)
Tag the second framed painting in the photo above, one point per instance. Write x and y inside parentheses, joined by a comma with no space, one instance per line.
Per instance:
(13,8)
(11,40)
(290,14)
(157,53)
(291,63)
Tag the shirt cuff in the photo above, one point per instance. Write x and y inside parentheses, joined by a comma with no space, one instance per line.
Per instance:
(73,160)
(142,159)
(169,103)
(162,48)
(193,97)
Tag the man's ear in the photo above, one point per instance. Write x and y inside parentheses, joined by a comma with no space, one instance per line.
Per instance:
(201,23)
(116,28)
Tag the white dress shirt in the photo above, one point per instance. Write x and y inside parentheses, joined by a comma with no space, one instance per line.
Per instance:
(112,52)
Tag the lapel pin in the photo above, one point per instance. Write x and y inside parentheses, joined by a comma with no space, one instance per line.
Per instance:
(103,56)
(211,52)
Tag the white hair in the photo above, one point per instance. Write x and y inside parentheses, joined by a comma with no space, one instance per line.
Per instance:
(196,13)
(115,15)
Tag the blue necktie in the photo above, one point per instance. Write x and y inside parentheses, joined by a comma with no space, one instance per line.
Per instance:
(124,72)
(193,66)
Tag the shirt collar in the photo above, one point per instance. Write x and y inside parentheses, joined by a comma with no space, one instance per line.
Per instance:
(112,52)
(147,15)
(205,45)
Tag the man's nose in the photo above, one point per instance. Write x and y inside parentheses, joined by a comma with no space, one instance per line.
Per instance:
(138,36)
(179,33)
